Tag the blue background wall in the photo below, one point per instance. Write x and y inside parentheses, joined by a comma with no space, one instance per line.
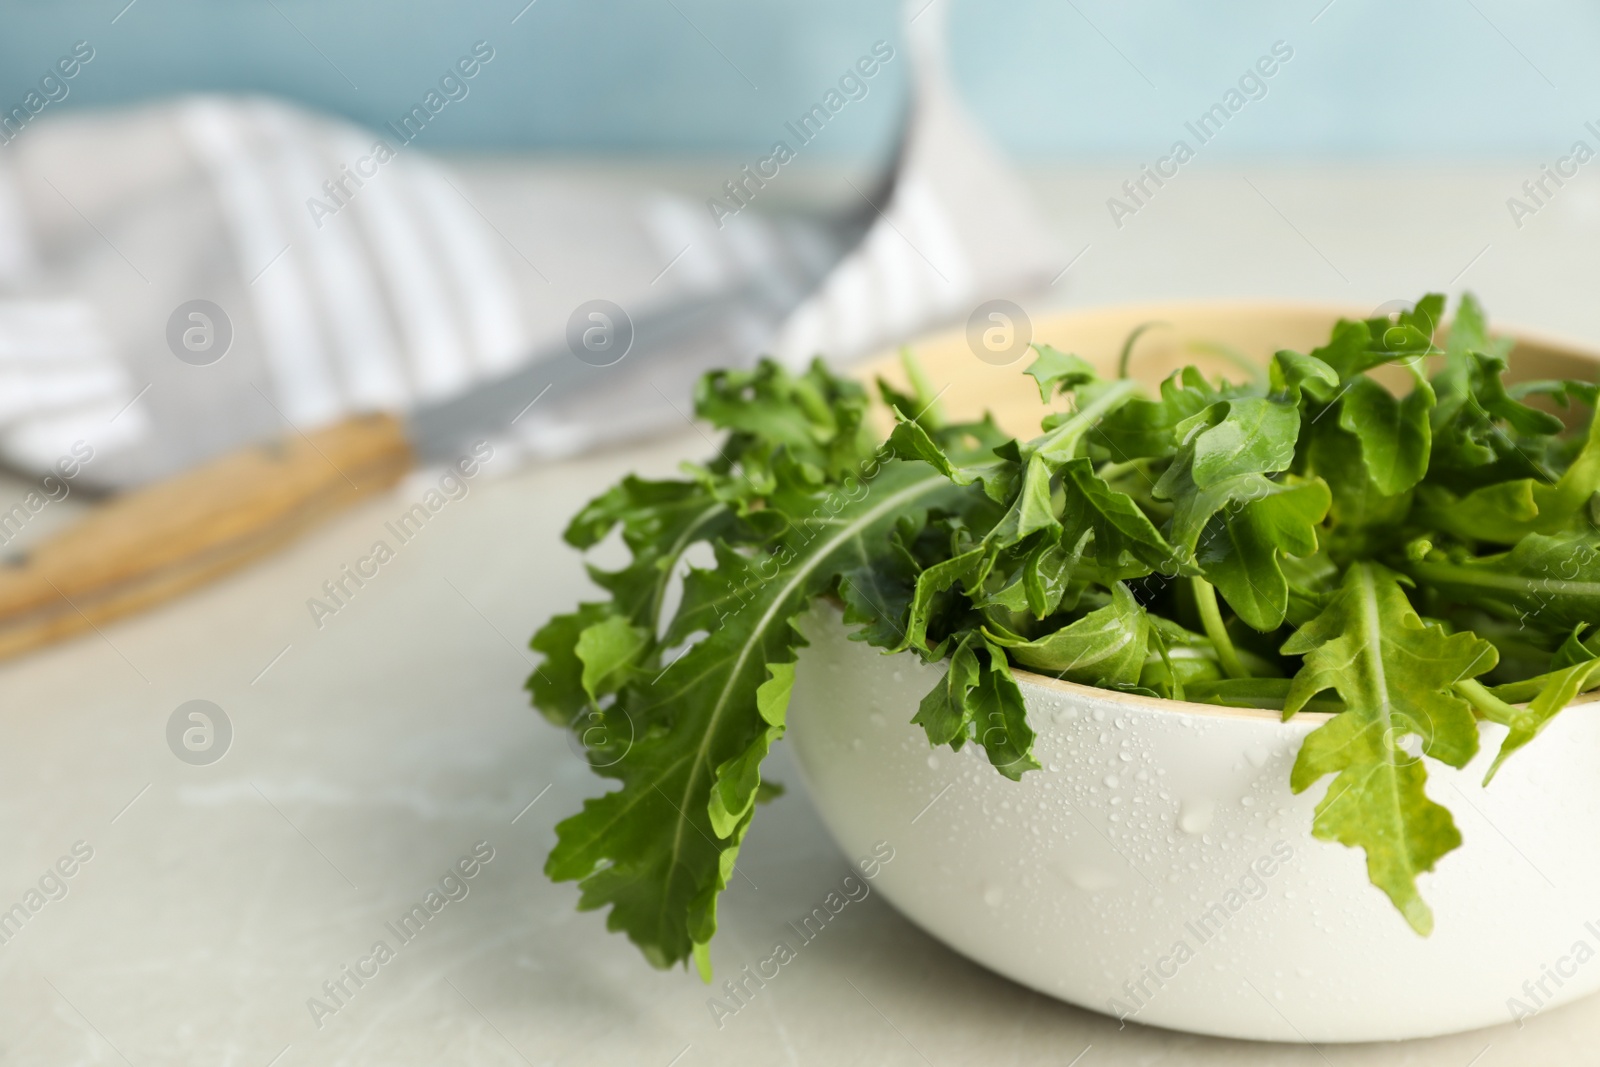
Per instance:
(1091,80)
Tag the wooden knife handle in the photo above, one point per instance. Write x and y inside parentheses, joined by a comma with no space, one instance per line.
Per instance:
(153,543)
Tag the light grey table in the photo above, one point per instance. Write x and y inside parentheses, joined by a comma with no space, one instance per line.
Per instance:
(371,754)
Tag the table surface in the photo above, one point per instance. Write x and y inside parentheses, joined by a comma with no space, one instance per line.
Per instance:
(370,754)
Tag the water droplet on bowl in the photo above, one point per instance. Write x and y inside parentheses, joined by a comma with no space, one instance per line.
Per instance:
(1195,816)
(1091,879)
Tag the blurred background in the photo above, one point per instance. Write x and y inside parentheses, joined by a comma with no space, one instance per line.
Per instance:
(1437,81)
(1391,141)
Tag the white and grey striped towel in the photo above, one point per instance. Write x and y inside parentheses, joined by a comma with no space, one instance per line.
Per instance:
(350,284)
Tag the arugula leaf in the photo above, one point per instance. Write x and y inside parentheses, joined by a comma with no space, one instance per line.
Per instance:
(1124,542)
(1394,673)
(1142,428)
(1031,507)
(660,849)
(1363,520)
(1395,434)
(877,595)
(659,521)
(1241,553)
(1292,374)
(814,419)
(1526,723)
(933,581)
(557,685)
(1245,435)
(1550,583)
(945,714)
(1277,514)
(1471,446)
(1057,371)
(1358,346)
(1573,650)
(1237,529)
(610,650)
(1106,647)
(978,699)
(1505,512)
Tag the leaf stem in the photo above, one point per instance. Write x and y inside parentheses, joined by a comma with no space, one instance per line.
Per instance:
(1486,703)
(1112,470)
(927,399)
(1127,346)
(1205,598)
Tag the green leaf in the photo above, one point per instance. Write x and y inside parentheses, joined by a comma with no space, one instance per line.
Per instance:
(1505,512)
(1066,431)
(1292,373)
(1363,520)
(1141,429)
(1031,509)
(609,649)
(1238,529)
(1550,583)
(877,598)
(1394,673)
(933,581)
(1564,391)
(660,849)
(945,714)
(738,782)
(1246,435)
(1057,371)
(1470,331)
(1427,315)
(1471,447)
(1573,651)
(1001,716)
(979,699)
(922,405)
(557,683)
(1526,723)
(812,420)
(1241,550)
(1125,543)
(1394,433)
(1106,647)
(910,440)
(659,521)
(1349,348)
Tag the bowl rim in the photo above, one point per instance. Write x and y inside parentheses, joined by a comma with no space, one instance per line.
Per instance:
(1242,307)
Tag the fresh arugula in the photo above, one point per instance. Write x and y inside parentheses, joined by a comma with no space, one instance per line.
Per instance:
(1381,530)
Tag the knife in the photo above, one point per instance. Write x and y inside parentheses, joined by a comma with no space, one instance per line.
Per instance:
(151,544)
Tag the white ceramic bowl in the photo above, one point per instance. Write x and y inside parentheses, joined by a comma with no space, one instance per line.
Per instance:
(1158,867)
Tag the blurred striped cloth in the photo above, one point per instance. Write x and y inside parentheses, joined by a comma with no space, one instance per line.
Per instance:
(350,283)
